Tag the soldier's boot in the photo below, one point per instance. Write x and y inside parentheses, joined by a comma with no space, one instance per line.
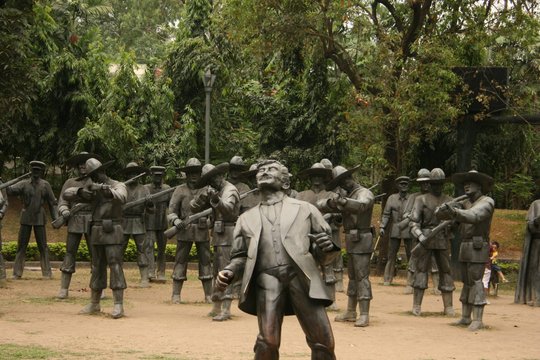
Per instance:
(118,307)
(339,280)
(363,319)
(94,306)
(207,287)
(465,315)
(225,313)
(418,295)
(65,280)
(176,290)
(103,295)
(145,280)
(447,302)
(216,308)
(350,313)
(435,279)
(477,314)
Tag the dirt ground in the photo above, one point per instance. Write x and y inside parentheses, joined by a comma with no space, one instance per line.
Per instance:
(33,324)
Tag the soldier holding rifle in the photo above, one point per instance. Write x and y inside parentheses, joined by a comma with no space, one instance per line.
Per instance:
(474,218)
(356,209)
(423,221)
(224,200)
(187,234)
(106,197)
(78,224)
(34,193)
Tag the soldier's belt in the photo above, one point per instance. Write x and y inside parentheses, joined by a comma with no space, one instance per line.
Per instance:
(100,222)
(132,216)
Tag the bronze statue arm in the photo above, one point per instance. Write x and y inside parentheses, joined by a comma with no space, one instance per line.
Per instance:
(477,213)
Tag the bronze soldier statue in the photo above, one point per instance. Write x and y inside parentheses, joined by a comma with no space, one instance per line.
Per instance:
(179,209)
(106,197)
(133,218)
(253,198)
(528,285)
(34,193)
(397,207)
(423,221)
(78,224)
(280,244)
(356,208)
(224,199)
(318,176)
(474,218)
(3,209)
(156,224)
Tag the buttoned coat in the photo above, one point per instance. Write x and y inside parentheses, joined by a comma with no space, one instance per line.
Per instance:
(297,220)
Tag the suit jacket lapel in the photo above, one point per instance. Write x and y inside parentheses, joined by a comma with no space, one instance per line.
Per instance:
(255,225)
(289,211)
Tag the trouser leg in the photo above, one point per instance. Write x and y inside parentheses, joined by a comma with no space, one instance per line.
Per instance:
(150,256)
(72,245)
(179,274)
(390,267)
(313,320)
(44,259)
(205,268)
(161,243)
(115,260)
(22,244)
(142,258)
(363,286)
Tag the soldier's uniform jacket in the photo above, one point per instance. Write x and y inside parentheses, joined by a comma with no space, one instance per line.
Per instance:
(251,200)
(34,194)
(396,209)
(78,223)
(106,228)
(225,212)
(179,208)
(133,218)
(158,219)
(423,219)
(474,225)
(312,197)
(356,220)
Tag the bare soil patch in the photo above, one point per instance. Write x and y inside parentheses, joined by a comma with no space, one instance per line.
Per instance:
(31,319)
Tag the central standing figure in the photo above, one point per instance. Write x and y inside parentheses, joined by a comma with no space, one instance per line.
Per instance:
(224,199)
(279,245)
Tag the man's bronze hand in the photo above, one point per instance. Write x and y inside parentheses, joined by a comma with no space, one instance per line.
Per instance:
(323,241)
(223,279)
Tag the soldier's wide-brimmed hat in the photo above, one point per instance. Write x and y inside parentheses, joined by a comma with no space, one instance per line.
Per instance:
(327,164)
(251,172)
(158,170)
(316,169)
(133,167)
(209,171)
(402,179)
(93,165)
(80,158)
(437,176)
(482,179)
(423,175)
(237,163)
(35,164)
(192,165)
(339,173)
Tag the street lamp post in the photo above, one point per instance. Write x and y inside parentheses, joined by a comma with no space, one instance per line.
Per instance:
(208,81)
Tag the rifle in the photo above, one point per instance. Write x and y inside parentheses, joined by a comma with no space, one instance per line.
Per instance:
(373,187)
(170,232)
(129,181)
(140,201)
(442,225)
(375,247)
(14,181)
(60,220)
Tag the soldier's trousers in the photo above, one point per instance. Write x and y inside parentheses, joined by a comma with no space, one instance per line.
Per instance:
(473,289)
(182,258)
(72,245)
(222,258)
(142,248)
(22,244)
(422,261)
(358,270)
(393,249)
(156,237)
(111,255)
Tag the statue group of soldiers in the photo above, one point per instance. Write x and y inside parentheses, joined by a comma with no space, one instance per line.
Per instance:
(278,250)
